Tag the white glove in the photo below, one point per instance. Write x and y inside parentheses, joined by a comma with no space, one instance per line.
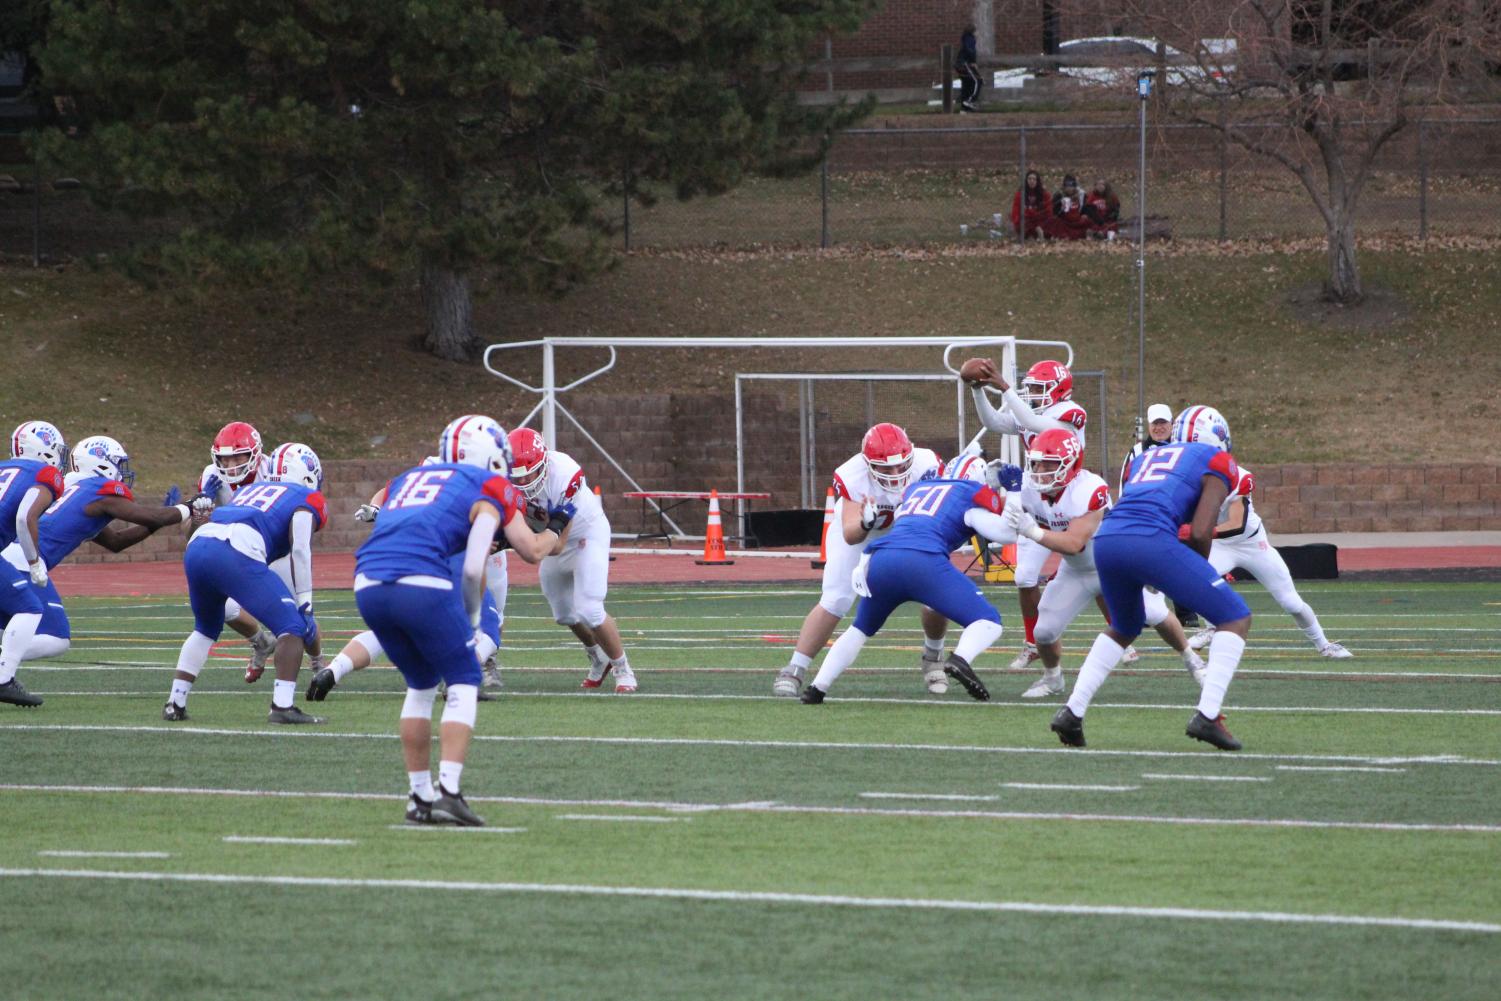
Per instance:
(1027,526)
(869,514)
(1012,513)
(203,506)
(857,579)
(38,572)
(367,512)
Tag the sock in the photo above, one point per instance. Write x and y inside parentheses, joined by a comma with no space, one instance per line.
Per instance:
(1311,628)
(484,648)
(1224,655)
(976,639)
(180,690)
(422,785)
(1049,673)
(931,648)
(799,663)
(448,775)
(843,653)
(283,694)
(597,653)
(1029,626)
(341,666)
(13,643)
(1103,656)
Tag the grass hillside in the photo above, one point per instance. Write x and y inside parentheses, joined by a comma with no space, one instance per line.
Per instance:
(1239,327)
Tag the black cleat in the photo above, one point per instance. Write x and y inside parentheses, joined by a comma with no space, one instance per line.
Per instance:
(1068,727)
(813,696)
(1212,731)
(419,811)
(174,713)
(291,714)
(450,808)
(16,694)
(958,669)
(484,696)
(323,682)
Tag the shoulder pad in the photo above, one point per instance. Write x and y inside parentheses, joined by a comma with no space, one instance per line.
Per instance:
(114,488)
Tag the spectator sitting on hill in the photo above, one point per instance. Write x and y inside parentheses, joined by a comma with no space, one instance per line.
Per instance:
(1036,209)
(1068,221)
(1103,210)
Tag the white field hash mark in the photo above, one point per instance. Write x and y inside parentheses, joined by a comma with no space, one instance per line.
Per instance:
(764,897)
(1067,786)
(249,839)
(57,853)
(627,817)
(1165,777)
(945,796)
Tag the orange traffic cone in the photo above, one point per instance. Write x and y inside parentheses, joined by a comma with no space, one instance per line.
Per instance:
(714,555)
(823,540)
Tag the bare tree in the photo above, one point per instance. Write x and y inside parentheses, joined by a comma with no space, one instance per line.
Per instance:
(1320,86)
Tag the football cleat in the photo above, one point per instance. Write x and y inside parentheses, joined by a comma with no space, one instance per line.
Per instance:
(480,695)
(292,715)
(16,694)
(1200,639)
(1335,652)
(174,713)
(450,808)
(1025,658)
(492,673)
(813,696)
(262,646)
(789,682)
(597,671)
(419,810)
(625,680)
(931,667)
(958,669)
(1068,727)
(1195,666)
(1130,656)
(1045,686)
(322,683)
(1212,731)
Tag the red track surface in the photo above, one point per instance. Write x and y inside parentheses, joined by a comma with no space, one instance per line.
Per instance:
(337,570)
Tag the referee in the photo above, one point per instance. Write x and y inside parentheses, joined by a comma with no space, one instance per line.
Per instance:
(1159,431)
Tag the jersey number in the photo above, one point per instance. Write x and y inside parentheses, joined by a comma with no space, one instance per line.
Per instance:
(261,496)
(67,495)
(1158,463)
(420,490)
(7,477)
(924,500)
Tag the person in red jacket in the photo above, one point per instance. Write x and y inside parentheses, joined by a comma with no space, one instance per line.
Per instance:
(1038,206)
(1103,209)
(1067,220)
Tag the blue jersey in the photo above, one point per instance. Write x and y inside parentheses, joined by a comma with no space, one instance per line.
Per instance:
(425,520)
(268,508)
(66,526)
(930,518)
(16,477)
(1163,488)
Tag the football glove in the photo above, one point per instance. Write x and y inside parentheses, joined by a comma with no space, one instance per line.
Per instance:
(309,623)
(1010,476)
(366,512)
(174,496)
(559,517)
(202,505)
(211,486)
(869,514)
(39,572)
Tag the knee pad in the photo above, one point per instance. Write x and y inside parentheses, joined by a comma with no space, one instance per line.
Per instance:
(837,605)
(419,703)
(461,705)
(1047,631)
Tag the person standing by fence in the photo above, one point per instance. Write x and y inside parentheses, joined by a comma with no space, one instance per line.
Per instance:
(967,68)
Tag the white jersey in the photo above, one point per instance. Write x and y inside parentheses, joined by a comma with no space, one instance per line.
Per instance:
(564,483)
(1245,485)
(853,482)
(1086,492)
(1064,414)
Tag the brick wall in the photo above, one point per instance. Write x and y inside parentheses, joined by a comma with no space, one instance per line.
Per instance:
(1351,497)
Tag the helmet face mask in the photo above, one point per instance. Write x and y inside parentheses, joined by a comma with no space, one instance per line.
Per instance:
(236,452)
(888,455)
(1054,460)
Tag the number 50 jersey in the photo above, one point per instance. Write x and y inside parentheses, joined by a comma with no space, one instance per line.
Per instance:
(930,518)
(425,520)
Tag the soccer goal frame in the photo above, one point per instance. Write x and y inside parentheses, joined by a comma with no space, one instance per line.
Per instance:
(549,406)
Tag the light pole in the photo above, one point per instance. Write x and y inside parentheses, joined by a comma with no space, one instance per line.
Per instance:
(1143,91)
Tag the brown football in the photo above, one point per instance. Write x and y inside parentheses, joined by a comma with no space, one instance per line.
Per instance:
(975,370)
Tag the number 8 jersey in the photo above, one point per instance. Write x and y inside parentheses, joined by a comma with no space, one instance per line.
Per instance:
(1164,487)
(425,520)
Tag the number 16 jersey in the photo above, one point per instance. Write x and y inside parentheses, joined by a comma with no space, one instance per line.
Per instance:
(425,520)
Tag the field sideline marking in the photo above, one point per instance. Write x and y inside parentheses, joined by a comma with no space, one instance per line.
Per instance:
(816,745)
(83,854)
(156,669)
(250,839)
(761,897)
(774,807)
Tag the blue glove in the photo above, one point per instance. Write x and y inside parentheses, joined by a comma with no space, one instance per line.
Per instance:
(211,486)
(309,623)
(1010,476)
(174,496)
(559,517)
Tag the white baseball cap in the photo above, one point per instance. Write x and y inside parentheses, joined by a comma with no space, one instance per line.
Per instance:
(1159,412)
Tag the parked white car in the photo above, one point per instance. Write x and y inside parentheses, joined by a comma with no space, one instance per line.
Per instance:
(1126,56)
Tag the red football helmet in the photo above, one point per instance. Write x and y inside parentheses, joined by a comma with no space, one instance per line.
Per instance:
(237,451)
(1047,383)
(888,453)
(1054,460)
(528,461)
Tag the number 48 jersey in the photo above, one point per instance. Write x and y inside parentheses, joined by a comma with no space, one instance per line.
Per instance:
(267,508)
(425,520)
(1164,487)
(930,518)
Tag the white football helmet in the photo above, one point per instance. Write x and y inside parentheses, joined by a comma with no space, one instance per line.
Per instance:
(294,462)
(965,466)
(1205,425)
(101,455)
(40,441)
(476,440)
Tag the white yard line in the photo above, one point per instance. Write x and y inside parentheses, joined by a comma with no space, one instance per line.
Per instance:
(1161,777)
(250,839)
(764,897)
(455,827)
(944,796)
(1064,786)
(786,808)
(1337,768)
(83,854)
(629,818)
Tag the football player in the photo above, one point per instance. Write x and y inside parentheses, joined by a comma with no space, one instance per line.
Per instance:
(96,492)
(575,577)
(867,489)
(406,594)
(1241,540)
(227,560)
(911,563)
(29,481)
(1183,482)
(1062,505)
(1044,403)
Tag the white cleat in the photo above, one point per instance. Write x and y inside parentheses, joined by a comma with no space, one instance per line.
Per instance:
(1195,666)
(597,671)
(625,680)
(1200,639)
(1335,652)
(788,684)
(1130,656)
(1044,687)
(1025,658)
